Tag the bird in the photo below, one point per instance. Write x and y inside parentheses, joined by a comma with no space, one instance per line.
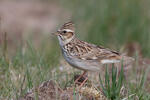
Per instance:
(83,55)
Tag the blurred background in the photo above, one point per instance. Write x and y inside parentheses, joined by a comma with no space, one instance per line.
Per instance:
(29,54)
(114,24)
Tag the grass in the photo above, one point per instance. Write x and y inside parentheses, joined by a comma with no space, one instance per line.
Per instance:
(30,66)
(107,22)
(27,68)
(113,86)
(111,89)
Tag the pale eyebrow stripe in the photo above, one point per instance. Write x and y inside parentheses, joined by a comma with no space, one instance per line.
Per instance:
(68,30)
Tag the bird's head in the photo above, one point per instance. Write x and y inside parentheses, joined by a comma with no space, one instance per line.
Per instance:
(66,33)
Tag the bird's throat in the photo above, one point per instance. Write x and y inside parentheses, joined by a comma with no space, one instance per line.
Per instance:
(63,42)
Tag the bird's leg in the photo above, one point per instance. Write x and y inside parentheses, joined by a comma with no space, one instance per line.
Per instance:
(83,82)
(76,81)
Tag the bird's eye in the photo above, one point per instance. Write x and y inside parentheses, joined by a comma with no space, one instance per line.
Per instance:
(64,31)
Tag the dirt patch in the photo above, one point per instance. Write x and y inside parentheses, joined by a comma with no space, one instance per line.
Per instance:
(49,90)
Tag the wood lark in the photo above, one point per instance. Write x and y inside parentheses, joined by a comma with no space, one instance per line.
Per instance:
(83,55)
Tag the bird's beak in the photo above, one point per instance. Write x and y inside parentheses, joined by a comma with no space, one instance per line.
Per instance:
(56,33)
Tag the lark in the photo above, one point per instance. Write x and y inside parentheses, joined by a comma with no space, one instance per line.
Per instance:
(83,55)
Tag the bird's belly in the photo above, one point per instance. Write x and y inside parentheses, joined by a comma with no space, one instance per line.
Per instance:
(82,64)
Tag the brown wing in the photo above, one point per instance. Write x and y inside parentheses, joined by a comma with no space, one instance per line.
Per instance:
(86,51)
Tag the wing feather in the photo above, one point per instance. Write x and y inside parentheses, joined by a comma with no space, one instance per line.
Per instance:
(86,51)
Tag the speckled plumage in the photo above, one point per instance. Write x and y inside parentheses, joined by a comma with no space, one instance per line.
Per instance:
(83,55)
